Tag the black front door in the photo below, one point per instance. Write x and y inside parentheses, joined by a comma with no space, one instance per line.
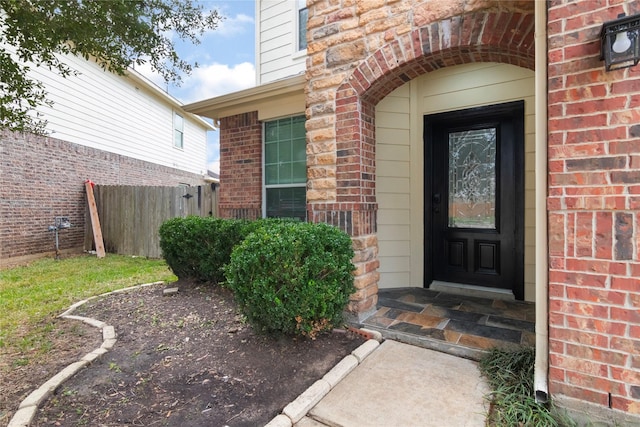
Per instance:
(474,201)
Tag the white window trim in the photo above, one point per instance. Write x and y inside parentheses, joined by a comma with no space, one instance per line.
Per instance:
(297,52)
(173,131)
(265,187)
(264,169)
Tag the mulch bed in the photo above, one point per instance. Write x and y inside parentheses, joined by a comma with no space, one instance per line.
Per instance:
(185,359)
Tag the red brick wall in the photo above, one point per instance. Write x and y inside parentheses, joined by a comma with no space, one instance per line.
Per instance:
(594,218)
(240,166)
(44,177)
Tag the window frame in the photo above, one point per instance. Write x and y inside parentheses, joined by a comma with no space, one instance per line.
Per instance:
(299,6)
(265,186)
(175,130)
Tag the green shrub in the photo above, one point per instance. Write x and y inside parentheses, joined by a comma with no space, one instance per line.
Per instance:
(198,247)
(292,277)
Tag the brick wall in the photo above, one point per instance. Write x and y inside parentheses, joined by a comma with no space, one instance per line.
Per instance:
(240,166)
(44,177)
(360,51)
(594,218)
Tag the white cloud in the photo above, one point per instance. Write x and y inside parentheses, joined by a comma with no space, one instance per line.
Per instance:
(213,151)
(148,72)
(213,80)
(233,25)
(214,166)
(208,81)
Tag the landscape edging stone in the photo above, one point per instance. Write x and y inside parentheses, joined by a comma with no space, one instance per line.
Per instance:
(29,405)
(299,408)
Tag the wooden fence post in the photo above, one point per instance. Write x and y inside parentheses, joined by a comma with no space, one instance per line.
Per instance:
(95,220)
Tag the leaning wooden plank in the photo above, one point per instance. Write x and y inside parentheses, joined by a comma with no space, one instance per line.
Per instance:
(95,220)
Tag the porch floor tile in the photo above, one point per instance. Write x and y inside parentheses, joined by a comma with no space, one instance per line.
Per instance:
(463,325)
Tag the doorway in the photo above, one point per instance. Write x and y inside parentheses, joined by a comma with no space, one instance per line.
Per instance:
(474,197)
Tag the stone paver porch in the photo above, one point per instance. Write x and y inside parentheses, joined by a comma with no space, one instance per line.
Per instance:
(466,326)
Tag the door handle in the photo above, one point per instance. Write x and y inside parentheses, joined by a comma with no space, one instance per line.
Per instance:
(436,202)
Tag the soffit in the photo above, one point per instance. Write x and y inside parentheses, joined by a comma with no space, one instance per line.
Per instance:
(273,99)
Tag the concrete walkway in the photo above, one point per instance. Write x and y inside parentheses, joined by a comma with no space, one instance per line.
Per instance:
(404,385)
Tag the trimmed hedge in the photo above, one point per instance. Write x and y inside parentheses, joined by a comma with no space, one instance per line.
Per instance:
(198,247)
(292,277)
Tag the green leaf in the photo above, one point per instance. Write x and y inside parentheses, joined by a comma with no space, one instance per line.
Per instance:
(292,277)
(116,34)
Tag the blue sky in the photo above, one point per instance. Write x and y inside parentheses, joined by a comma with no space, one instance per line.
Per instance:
(226,60)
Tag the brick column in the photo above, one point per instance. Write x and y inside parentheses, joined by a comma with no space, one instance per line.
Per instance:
(359,221)
(594,213)
(240,167)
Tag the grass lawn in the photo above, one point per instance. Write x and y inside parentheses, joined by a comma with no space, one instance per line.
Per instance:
(32,296)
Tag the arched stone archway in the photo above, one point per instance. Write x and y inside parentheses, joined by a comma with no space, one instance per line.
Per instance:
(483,36)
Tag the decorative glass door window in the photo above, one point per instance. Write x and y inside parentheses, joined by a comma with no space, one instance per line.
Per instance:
(472,179)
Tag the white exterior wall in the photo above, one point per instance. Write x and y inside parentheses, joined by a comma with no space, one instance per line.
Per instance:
(120,115)
(400,159)
(277,56)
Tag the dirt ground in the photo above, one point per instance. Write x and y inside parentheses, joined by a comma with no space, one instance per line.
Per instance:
(185,359)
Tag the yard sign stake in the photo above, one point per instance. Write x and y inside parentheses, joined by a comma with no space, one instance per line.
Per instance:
(95,221)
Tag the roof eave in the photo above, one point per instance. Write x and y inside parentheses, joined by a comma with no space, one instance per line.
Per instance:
(214,107)
(155,89)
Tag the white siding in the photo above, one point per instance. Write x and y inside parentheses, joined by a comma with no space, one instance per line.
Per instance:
(400,159)
(277,55)
(114,113)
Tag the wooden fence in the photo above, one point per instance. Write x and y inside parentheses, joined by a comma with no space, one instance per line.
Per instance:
(130,216)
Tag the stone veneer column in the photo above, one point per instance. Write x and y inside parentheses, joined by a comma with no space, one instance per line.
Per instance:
(358,52)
